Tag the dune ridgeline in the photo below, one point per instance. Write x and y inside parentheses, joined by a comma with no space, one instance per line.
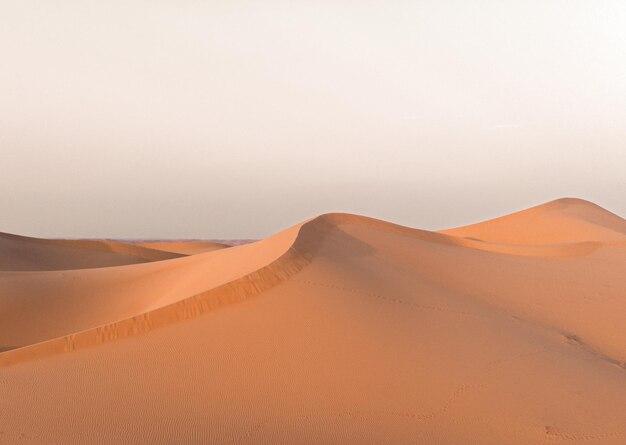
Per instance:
(342,329)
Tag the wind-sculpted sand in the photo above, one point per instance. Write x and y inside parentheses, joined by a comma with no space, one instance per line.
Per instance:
(184,247)
(341,329)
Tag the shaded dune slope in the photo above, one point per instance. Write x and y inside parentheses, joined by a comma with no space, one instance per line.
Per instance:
(360,331)
(43,305)
(21,253)
(37,306)
(125,301)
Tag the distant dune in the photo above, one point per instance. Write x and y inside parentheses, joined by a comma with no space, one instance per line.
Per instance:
(341,329)
(184,247)
(565,220)
(30,254)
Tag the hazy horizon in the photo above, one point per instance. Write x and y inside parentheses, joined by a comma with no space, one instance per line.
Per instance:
(237,119)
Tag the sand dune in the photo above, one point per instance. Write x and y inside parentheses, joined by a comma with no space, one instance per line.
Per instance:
(184,247)
(341,329)
(26,253)
(561,221)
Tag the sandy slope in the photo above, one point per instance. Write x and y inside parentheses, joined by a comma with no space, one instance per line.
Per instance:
(561,221)
(184,247)
(342,329)
(26,253)
(36,306)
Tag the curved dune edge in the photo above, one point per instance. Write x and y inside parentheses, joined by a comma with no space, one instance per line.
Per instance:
(235,291)
(308,238)
(61,317)
(297,256)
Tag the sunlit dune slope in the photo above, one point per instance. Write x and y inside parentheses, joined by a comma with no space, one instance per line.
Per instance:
(184,247)
(36,306)
(564,220)
(65,302)
(25,253)
(342,329)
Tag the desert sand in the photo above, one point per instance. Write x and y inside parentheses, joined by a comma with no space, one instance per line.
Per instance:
(183,247)
(341,329)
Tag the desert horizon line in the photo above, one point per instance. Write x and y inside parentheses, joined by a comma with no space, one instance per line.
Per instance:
(243,240)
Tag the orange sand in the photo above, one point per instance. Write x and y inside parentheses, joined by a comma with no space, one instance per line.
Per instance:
(342,329)
(184,247)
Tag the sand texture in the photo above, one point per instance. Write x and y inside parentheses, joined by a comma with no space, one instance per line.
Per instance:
(184,247)
(342,329)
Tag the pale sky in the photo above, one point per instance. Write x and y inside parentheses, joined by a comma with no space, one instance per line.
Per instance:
(236,119)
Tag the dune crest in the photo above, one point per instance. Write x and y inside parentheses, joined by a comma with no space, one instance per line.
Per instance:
(565,220)
(341,329)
